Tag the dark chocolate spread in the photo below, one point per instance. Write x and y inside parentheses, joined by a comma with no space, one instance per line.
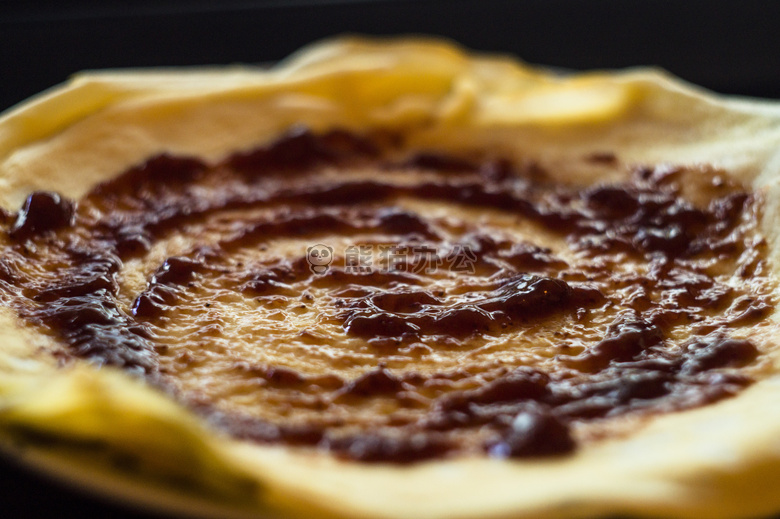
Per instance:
(660,336)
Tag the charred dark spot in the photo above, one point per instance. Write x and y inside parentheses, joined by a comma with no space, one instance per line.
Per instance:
(521,385)
(381,448)
(527,256)
(283,376)
(625,340)
(533,433)
(42,211)
(377,382)
(156,174)
(299,149)
(439,162)
(602,157)
(716,351)
(176,271)
(404,301)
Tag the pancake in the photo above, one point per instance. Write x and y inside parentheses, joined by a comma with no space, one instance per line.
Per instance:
(392,278)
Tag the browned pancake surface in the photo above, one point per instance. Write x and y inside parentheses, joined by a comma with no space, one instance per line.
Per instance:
(346,293)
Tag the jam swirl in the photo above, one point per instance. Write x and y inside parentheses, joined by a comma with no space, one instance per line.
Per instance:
(641,306)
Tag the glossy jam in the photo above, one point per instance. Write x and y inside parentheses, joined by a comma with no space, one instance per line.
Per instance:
(671,330)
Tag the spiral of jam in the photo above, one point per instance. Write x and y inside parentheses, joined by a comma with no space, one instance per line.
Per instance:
(345,293)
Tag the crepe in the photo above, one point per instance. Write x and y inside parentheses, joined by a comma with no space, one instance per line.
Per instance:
(147,442)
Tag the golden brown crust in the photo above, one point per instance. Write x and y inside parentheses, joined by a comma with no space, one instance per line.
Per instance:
(705,462)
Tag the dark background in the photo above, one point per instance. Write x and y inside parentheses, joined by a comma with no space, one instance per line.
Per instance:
(727,46)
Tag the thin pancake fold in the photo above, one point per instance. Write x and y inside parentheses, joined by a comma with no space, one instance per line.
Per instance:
(720,460)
